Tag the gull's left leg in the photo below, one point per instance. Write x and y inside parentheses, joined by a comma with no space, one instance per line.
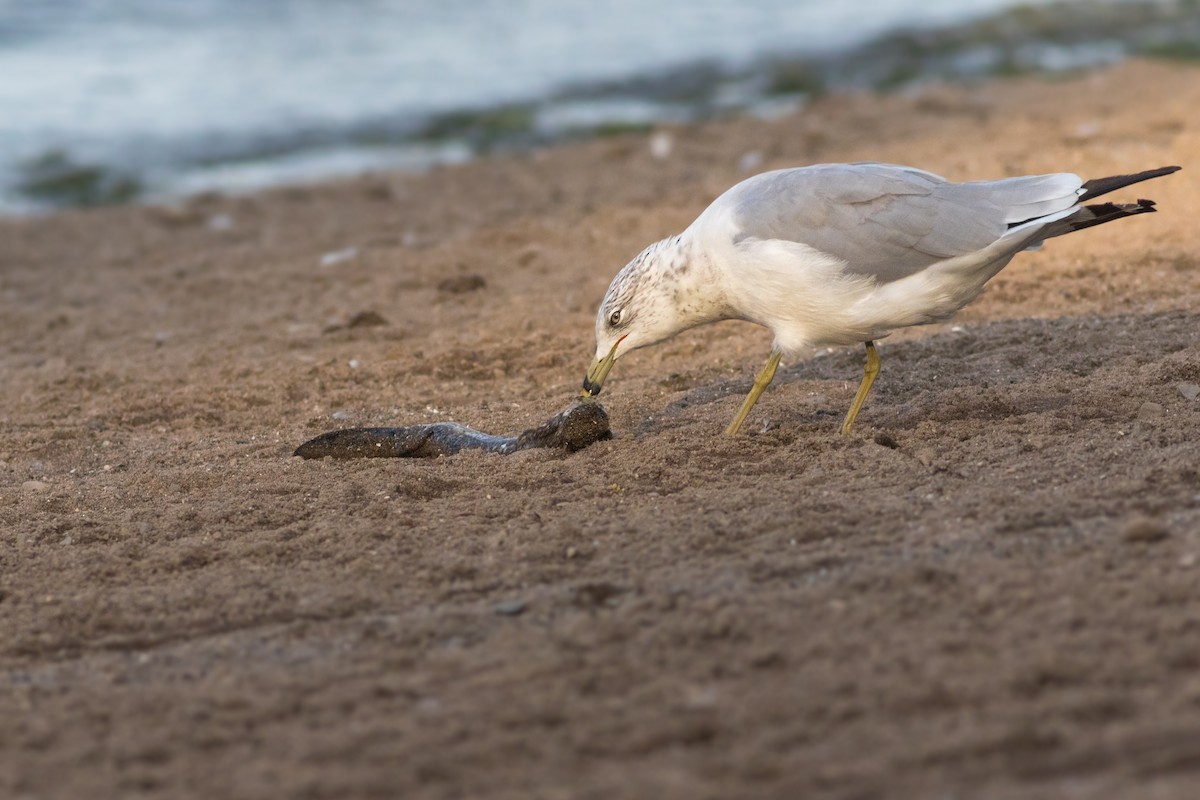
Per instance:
(761,382)
(869,372)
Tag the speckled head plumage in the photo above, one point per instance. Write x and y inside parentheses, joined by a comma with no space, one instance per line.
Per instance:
(640,307)
(628,306)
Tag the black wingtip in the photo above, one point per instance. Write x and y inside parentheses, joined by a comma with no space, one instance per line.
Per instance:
(1154,173)
(1098,186)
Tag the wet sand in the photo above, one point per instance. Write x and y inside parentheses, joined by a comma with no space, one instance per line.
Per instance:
(989,591)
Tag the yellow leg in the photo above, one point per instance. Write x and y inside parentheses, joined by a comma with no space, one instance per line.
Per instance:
(761,382)
(869,372)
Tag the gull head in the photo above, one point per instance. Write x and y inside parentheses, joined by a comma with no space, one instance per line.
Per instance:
(651,299)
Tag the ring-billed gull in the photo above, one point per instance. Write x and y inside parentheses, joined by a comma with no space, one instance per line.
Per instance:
(838,254)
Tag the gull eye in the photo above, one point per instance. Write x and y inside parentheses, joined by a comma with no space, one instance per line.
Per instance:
(614,319)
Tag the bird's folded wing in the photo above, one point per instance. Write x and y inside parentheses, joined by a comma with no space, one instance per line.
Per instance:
(889,222)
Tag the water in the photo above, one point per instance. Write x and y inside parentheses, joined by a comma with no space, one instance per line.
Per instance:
(133,98)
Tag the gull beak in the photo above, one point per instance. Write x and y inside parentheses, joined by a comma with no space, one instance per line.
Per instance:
(594,380)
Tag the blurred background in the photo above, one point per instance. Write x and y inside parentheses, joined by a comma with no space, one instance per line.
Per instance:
(105,101)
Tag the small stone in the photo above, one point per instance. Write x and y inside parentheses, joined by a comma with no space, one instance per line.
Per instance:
(699,697)
(362,319)
(750,161)
(219,222)
(366,319)
(461,284)
(338,256)
(510,608)
(527,255)
(1189,390)
(1150,411)
(925,456)
(34,487)
(661,145)
(1144,530)
(886,440)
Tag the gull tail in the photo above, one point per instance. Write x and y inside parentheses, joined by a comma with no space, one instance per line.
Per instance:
(1099,213)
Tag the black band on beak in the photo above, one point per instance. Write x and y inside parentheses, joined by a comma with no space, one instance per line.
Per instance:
(589,387)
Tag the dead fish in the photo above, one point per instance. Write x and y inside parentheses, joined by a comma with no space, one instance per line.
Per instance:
(583,423)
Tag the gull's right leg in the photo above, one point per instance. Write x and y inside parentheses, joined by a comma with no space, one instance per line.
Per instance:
(869,372)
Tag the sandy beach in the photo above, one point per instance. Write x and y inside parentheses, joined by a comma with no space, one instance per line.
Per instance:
(990,590)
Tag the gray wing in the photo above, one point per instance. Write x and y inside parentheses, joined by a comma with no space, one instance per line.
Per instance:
(887,221)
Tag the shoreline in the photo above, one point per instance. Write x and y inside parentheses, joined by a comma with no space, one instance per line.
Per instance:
(1056,39)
